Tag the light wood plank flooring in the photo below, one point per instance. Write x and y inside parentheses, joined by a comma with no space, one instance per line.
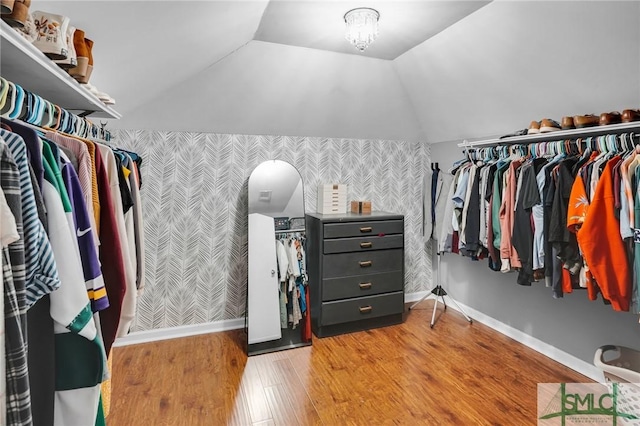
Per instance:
(453,374)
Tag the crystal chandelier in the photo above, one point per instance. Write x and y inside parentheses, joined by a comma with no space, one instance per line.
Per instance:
(362,27)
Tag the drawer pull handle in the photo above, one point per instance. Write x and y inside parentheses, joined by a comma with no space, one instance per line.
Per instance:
(366,244)
(365,309)
(365,264)
(365,286)
(366,229)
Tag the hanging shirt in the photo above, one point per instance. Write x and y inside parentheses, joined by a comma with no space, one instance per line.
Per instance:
(79,350)
(85,170)
(85,239)
(508,253)
(40,276)
(16,378)
(8,235)
(606,257)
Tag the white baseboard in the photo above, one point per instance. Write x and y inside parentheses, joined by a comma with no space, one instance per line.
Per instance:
(538,345)
(177,332)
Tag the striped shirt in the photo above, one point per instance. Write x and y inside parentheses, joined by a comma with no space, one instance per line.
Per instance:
(18,395)
(41,275)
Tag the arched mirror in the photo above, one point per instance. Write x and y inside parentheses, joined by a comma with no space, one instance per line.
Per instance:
(278,314)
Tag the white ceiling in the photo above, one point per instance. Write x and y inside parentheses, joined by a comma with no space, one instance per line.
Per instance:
(243,67)
(320,24)
(144,47)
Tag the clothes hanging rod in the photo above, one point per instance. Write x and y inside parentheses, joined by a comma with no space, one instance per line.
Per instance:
(554,136)
(288,231)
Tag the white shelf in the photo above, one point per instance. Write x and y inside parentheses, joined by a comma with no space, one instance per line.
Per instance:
(23,64)
(555,136)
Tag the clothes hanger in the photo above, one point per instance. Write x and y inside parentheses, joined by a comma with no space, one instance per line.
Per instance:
(40,107)
(19,99)
(10,101)
(50,115)
(4,90)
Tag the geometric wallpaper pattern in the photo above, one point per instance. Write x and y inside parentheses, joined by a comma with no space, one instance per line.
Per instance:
(194,204)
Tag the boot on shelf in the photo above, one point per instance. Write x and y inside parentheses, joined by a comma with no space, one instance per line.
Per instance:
(52,34)
(89,44)
(82,55)
(72,59)
(19,13)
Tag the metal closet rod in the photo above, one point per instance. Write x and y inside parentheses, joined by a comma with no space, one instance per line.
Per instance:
(289,231)
(554,136)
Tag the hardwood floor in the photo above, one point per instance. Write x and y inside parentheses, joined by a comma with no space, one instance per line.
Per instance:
(453,374)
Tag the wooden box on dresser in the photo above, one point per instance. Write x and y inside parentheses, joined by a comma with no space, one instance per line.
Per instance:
(355,264)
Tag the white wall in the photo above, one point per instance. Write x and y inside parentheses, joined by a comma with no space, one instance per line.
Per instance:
(271,89)
(513,62)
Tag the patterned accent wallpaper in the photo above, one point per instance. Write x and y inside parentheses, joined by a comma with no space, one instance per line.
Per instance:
(194,194)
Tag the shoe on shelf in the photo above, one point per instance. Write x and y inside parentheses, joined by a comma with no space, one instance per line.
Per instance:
(534,128)
(629,115)
(72,60)
(6,6)
(19,13)
(29,31)
(588,120)
(567,123)
(82,55)
(104,97)
(89,44)
(52,34)
(607,118)
(517,133)
(548,125)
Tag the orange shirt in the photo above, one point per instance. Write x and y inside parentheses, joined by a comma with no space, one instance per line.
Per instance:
(602,246)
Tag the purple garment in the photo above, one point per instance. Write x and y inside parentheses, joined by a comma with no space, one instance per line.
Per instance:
(86,239)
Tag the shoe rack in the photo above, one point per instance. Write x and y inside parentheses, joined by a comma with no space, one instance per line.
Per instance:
(585,132)
(24,64)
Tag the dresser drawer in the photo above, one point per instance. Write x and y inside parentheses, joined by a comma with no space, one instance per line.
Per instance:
(361,285)
(368,262)
(360,308)
(374,242)
(359,229)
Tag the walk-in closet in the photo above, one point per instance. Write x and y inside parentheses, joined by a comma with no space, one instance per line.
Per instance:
(278,212)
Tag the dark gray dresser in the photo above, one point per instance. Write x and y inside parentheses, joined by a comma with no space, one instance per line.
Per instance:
(355,264)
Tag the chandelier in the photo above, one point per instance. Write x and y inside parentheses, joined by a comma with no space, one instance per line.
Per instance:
(362,27)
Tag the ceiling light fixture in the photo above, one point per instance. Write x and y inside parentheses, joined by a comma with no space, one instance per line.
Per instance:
(362,26)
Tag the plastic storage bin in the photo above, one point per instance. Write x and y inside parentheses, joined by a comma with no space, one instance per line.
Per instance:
(618,363)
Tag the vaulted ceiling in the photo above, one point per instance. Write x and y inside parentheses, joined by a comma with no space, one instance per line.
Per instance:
(436,72)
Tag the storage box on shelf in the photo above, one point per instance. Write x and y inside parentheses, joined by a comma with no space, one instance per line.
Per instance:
(332,199)
(363,207)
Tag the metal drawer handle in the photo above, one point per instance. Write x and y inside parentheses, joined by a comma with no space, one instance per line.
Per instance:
(366,244)
(365,309)
(366,229)
(365,263)
(365,286)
